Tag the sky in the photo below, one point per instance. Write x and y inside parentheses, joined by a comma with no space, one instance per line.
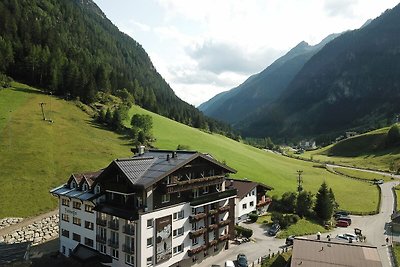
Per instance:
(202,48)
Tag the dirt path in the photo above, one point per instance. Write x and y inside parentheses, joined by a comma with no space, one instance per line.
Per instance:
(26,222)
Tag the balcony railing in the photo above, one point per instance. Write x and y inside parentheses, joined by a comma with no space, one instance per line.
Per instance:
(129,229)
(194,251)
(213,197)
(101,239)
(102,222)
(212,212)
(128,249)
(197,233)
(113,243)
(113,225)
(197,217)
(222,238)
(212,227)
(223,223)
(264,203)
(223,209)
(194,183)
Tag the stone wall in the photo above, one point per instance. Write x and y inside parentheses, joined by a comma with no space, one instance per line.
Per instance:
(5,222)
(37,232)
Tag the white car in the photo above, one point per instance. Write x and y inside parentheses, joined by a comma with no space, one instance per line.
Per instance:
(229,264)
(351,236)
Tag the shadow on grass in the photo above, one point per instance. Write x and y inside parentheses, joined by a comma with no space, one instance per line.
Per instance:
(124,134)
(27,90)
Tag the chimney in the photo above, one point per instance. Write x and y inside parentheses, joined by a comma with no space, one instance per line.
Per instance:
(174,154)
(141,150)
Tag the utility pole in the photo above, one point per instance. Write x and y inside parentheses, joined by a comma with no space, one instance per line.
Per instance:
(299,181)
(41,105)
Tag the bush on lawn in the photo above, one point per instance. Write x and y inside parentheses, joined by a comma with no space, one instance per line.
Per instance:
(242,231)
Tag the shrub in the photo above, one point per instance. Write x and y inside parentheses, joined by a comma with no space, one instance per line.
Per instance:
(253,217)
(284,220)
(242,231)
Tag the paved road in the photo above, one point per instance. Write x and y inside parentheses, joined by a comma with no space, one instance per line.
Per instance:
(364,170)
(373,227)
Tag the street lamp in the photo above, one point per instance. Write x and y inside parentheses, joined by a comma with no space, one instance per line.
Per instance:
(299,181)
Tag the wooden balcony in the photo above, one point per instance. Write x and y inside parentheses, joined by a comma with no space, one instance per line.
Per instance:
(195,251)
(223,209)
(128,249)
(113,243)
(113,225)
(101,222)
(213,197)
(213,242)
(128,229)
(179,186)
(197,233)
(224,223)
(222,238)
(212,227)
(197,217)
(264,203)
(101,239)
(212,212)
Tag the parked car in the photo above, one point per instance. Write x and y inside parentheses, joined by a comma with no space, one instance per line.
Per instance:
(289,240)
(376,181)
(229,264)
(353,237)
(274,229)
(241,260)
(343,237)
(344,218)
(341,223)
(340,213)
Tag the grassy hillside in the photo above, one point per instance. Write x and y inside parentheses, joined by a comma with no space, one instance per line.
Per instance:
(37,155)
(367,150)
(274,170)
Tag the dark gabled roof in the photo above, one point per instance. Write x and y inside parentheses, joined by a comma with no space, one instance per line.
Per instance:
(148,168)
(89,177)
(245,186)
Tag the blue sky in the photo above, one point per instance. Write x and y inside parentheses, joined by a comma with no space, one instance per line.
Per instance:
(202,48)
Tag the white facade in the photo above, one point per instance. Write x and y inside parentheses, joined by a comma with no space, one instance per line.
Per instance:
(245,205)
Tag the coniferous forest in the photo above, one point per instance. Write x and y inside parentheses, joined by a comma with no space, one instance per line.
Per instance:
(70,48)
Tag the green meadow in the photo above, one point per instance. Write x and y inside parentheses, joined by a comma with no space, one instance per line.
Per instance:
(37,155)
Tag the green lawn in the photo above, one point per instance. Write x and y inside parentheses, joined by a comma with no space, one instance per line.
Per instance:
(396,249)
(274,170)
(280,260)
(38,155)
(302,227)
(362,174)
(397,191)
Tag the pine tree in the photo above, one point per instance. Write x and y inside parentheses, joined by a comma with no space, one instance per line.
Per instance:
(324,204)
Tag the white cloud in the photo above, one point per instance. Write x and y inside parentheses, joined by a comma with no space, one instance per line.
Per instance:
(343,8)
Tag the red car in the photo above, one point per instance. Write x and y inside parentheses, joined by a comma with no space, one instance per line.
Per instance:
(341,223)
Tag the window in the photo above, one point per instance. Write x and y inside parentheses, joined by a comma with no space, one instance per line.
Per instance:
(168,180)
(65,217)
(129,259)
(149,223)
(85,187)
(88,242)
(194,211)
(65,233)
(65,202)
(89,225)
(179,194)
(178,215)
(244,206)
(102,233)
(73,185)
(97,189)
(195,241)
(76,205)
(165,198)
(114,253)
(103,248)
(253,192)
(114,237)
(76,237)
(178,249)
(149,242)
(88,208)
(252,204)
(205,189)
(76,220)
(196,192)
(149,261)
(63,250)
(218,187)
(194,226)
(178,232)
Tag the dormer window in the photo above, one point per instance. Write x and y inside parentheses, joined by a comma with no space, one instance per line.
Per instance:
(85,187)
(73,185)
(97,189)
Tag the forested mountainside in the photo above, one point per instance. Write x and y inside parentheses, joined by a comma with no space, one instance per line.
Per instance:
(351,83)
(70,48)
(261,89)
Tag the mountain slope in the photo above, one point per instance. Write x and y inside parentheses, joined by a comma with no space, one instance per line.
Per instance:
(263,88)
(37,155)
(70,48)
(352,83)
